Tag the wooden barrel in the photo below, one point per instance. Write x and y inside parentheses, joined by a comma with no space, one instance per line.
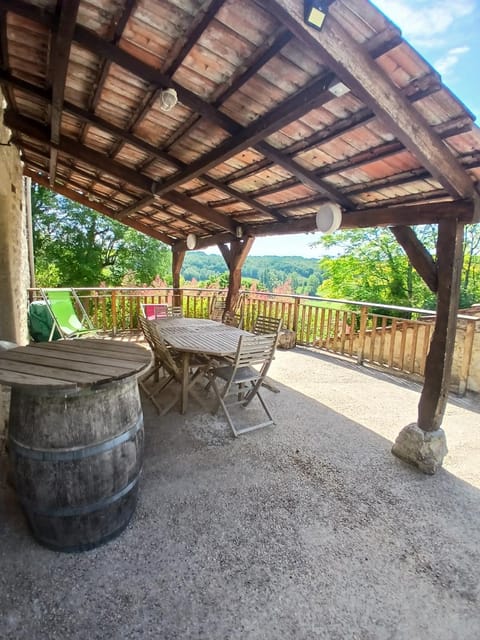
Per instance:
(76,460)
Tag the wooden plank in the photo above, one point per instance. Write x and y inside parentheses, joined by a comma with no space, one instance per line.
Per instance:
(355,67)
(63,362)
(59,57)
(433,400)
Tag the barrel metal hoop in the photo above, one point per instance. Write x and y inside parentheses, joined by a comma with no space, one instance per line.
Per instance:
(83,510)
(75,453)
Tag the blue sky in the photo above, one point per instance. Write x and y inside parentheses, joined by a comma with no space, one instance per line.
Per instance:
(447,34)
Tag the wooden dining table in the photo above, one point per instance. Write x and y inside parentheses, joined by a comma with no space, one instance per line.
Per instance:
(194,336)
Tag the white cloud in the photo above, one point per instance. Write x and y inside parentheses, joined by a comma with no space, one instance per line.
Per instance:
(446,63)
(423,21)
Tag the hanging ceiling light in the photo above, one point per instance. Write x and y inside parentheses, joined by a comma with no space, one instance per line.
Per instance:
(168,99)
(191,241)
(315,12)
(329,218)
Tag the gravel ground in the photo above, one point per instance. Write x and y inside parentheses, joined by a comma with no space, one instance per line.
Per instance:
(309,529)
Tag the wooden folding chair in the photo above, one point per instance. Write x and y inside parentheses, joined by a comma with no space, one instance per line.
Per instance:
(217,309)
(262,325)
(267,325)
(165,359)
(232,319)
(157,365)
(243,381)
(175,312)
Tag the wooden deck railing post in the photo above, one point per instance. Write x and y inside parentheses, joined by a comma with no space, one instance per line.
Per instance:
(114,312)
(467,356)
(296,315)
(361,335)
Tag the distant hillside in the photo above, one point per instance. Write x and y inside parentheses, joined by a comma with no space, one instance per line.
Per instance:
(270,271)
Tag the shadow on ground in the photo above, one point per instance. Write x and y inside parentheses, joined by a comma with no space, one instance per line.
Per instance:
(310,529)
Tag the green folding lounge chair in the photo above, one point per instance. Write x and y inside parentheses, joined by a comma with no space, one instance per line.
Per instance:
(69,316)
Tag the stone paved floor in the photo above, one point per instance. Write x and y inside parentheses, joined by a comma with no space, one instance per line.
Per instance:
(310,529)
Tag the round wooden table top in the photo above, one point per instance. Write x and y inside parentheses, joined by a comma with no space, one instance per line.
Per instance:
(72,364)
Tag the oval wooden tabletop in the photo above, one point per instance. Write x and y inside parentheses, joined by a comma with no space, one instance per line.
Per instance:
(72,364)
(195,335)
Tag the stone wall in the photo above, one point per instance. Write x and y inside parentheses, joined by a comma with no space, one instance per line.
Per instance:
(14,263)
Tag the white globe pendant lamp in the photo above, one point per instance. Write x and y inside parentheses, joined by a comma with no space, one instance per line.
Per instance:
(191,241)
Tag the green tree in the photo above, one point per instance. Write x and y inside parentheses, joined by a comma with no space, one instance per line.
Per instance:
(76,246)
(373,268)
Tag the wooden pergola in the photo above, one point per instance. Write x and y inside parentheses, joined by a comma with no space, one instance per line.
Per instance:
(274,119)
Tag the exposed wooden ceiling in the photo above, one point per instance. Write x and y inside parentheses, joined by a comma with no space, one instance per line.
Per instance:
(261,135)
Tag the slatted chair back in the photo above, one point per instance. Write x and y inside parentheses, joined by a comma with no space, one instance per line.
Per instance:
(175,312)
(232,319)
(267,324)
(217,309)
(154,311)
(146,330)
(164,354)
(255,350)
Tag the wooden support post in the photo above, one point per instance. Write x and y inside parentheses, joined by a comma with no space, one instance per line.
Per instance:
(439,360)
(424,443)
(177,262)
(235,258)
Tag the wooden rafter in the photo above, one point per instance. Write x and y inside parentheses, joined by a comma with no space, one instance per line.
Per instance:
(105,67)
(77,197)
(202,21)
(125,137)
(423,87)
(426,213)
(309,97)
(103,163)
(59,57)
(355,67)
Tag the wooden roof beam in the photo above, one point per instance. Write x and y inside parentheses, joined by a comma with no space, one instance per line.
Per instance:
(100,47)
(104,125)
(292,108)
(423,87)
(59,57)
(202,22)
(77,197)
(355,68)
(101,162)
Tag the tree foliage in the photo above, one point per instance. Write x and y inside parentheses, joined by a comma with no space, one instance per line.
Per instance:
(370,265)
(270,272)
(75,246)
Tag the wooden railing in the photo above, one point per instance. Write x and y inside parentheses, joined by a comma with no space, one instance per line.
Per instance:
(394,338)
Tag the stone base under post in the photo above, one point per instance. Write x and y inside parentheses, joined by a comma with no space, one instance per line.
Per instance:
(425,449)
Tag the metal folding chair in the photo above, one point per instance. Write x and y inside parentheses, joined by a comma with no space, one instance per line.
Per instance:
(243,381)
